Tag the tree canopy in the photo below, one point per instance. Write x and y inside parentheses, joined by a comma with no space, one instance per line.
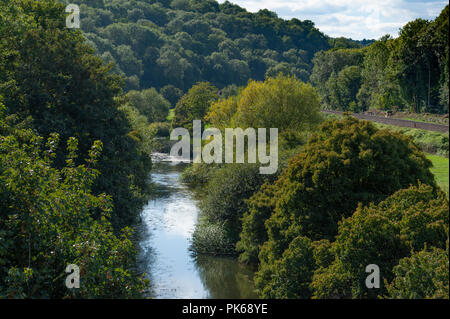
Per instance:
(182,42)
(406,73)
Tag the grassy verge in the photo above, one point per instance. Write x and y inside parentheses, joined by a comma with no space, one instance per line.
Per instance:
(440,170)
(430,142)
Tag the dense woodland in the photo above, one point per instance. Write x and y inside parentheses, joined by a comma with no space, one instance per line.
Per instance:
(172,45)
(409,72)
(80,110)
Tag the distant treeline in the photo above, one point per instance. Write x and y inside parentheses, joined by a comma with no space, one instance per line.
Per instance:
(175,44)
(406,73)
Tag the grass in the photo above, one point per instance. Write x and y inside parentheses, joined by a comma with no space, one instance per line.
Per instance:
(430,142)
(440,170)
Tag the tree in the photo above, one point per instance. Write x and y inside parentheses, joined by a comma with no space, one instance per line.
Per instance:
(327,66)
(345,163)
(283,102)
(194,104)
(150,104)
(407,222)
(424,275)
(47,222)
(171,94)
(186,33)
(54,77)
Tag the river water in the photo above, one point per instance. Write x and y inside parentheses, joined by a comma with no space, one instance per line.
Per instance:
(165,232)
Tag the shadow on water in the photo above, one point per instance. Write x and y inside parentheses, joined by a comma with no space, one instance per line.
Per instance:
(165,232)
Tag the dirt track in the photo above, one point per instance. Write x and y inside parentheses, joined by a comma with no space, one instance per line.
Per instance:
(397,122)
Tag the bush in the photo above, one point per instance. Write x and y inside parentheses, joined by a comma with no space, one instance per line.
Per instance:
(162,129)
(290,276)
(198,174)
(424,275)
(224,199)
(346,162)
(212,239)
(47,222)
(408,221)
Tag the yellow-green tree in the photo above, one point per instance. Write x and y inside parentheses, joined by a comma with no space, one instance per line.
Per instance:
(283,102)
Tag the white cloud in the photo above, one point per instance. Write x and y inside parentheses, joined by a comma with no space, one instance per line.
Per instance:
(356,19)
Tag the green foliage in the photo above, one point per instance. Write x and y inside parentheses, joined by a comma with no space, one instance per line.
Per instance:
(430,142)
(150,104)
(328,79)
(408,221)
(223,201)
(182,42)
(289,277)
(46,222)
(162,129)
(198,174)
(194,104)
(211,239)
(283,102)
(409,72)
(424,275)
(171,94)
(48,73)
(142,133)
(254,234)
(347,162)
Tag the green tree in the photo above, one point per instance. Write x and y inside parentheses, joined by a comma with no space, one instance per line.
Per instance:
(283,102)
(171,94)
(408,221)
(46,222)
(49,73)
(150,104)
(424,275)
(345,163)
(194,104)
(327,66)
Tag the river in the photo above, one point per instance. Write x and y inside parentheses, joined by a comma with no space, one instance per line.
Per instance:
(165,231)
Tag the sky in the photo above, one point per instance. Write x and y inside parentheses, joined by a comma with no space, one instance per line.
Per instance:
(356,19)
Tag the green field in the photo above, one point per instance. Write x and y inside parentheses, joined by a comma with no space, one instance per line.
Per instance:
(440,170)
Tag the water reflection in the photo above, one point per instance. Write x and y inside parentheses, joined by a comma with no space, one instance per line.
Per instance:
(168,221)
(225,278)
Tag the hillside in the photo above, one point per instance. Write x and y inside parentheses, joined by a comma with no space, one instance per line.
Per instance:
(180,42)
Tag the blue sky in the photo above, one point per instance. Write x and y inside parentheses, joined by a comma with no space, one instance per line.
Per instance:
(355,19)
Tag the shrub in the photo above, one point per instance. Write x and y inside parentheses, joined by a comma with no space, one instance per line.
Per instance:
(47,222)
(346,162)
(162,129)
(408,221)
(224,199)
(212,239)
(424,275)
